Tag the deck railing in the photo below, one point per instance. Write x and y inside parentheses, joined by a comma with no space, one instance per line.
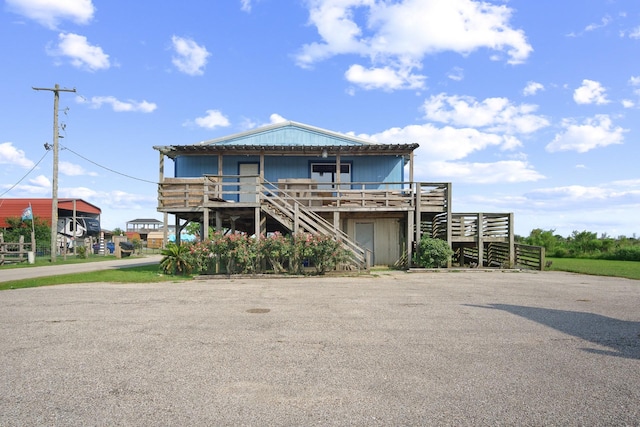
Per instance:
(210,190)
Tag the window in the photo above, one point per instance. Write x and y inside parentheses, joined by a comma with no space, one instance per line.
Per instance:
(325,174)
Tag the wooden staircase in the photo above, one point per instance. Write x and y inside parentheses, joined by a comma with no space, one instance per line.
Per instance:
(293,215)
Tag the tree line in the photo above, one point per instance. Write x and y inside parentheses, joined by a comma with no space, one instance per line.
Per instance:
(584,244)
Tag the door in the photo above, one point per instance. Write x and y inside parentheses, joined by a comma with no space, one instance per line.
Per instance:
(248,182)
(364,237)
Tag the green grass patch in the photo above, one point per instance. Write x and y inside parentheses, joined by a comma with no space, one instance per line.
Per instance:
(141,274)
(597,267)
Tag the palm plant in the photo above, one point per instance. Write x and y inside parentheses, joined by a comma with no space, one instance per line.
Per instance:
(175,260)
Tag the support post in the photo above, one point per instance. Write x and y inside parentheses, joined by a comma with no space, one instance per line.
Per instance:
(480,227)
(410,228)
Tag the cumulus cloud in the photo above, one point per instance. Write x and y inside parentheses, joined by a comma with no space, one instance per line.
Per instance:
(38,186)
(591,92)
(386,78)
(494,114)
(117,105)
(276,118)
(212,120)
(594,132)
(532,88)
(71,169)
(612,193)
(50,13)
(10,155)
(80,52)
(190,58)
(399,34)
(506,171)
(445,143)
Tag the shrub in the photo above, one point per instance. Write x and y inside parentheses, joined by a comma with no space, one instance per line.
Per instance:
(432,253)
(176,260)
(276,249)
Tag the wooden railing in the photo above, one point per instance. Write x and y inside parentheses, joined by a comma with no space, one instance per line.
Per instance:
(209,190)
(528,256)
(296,216)
(468,226)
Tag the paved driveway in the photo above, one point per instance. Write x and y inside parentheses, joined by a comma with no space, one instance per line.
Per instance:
(466,348)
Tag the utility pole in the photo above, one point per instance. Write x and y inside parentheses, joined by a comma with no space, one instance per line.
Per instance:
(54,192)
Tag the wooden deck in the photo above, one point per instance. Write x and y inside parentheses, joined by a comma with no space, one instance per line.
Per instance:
(212,192)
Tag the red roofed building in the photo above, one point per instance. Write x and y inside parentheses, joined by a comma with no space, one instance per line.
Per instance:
(67,208)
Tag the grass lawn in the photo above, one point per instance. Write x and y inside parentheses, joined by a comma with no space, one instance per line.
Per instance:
(597,267)
(142,274)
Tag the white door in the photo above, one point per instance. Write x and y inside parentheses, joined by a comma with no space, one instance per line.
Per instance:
(248,182)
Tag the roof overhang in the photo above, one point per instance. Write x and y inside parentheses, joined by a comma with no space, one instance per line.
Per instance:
(173,151)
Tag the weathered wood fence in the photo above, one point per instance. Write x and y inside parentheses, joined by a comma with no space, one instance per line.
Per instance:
(11,252)
(497,255)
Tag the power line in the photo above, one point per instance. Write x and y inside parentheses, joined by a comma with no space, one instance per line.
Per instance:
(106,168)
(27,174)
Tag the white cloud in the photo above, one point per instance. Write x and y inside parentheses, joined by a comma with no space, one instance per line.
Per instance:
(119,106)
(591,92)
(81,54)
(245,5)
(456,74)
(495,114)
(627,103)
(634,80)
(212,120)
(10,155)
(38,186)
(50,13)
(398,35)
(71,169)
(606,20)
(532,88)
(276,118)
(386,78)
(593,133)
(635,33)
(507,171)
(190,58)
(115,199)
(576,196)
(447,143)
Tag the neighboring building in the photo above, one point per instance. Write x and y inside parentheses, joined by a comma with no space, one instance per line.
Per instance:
(292,177)
(86,215)
(143,227)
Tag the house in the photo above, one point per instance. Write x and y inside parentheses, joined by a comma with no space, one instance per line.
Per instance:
(292,177)
(144,226)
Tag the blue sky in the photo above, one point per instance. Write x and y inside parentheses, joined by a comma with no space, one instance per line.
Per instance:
(531,107)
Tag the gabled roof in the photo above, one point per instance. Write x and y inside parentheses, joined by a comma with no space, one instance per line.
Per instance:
(287,138)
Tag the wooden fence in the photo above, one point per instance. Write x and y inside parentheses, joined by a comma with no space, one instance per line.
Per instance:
(497,255)
(14,252)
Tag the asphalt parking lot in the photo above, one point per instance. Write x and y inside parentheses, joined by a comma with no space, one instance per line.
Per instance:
(438,348)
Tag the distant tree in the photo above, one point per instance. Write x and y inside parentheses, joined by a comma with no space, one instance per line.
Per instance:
(118,232)
(545,238)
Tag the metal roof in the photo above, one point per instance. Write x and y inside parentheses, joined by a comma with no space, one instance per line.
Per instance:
(42,208)
(287,138)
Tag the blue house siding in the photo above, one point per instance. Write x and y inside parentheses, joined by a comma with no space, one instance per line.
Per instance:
(195,166)
(380,169)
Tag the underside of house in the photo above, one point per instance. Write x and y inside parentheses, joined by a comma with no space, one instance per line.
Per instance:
(292,177)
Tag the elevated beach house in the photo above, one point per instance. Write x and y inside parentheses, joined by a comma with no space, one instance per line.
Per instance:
(291,177)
